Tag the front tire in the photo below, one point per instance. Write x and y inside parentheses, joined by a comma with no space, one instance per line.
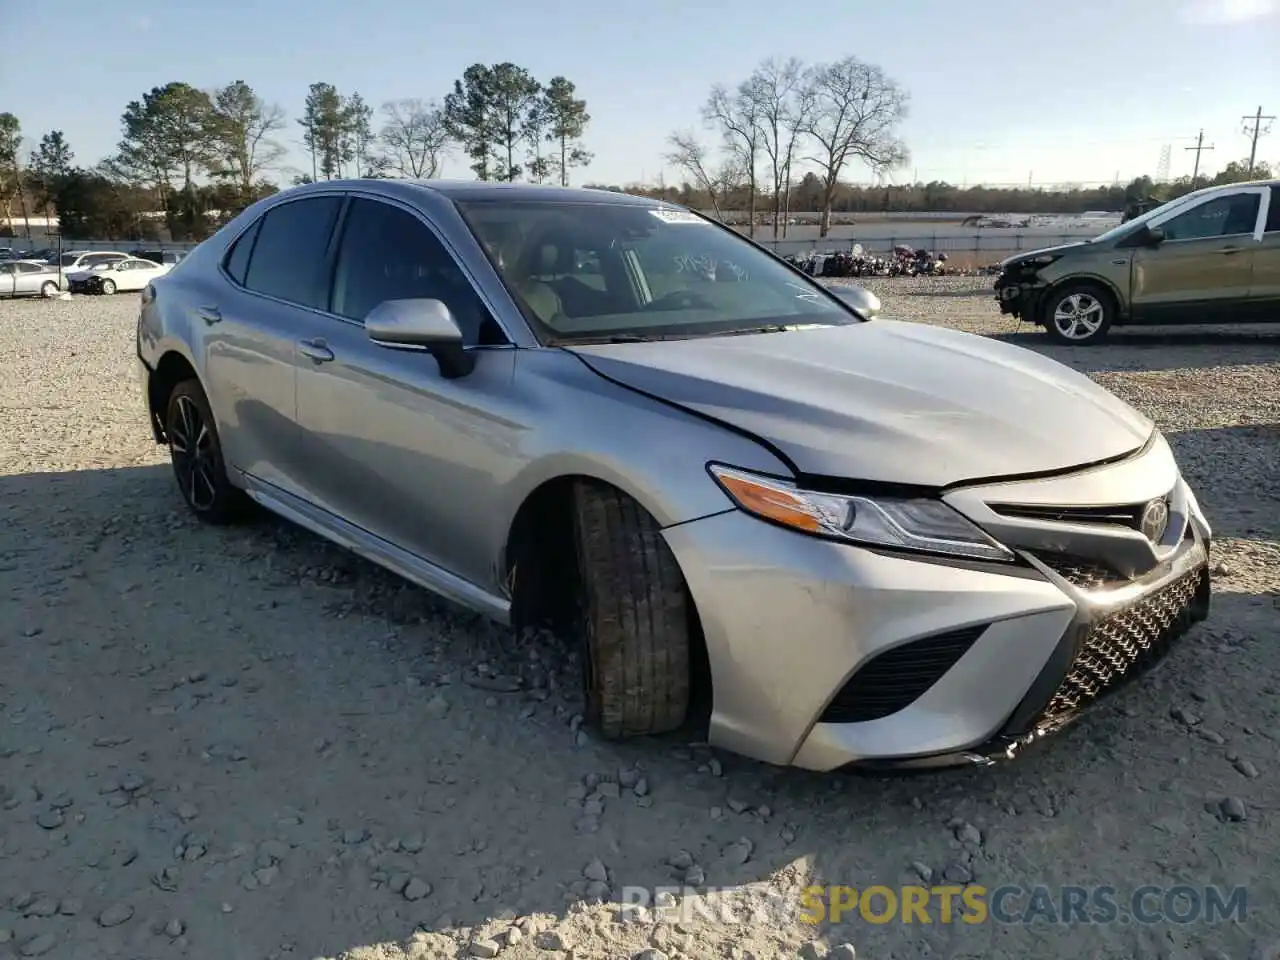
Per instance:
(634,617)
(108,287)
(1079,314)
(196,453)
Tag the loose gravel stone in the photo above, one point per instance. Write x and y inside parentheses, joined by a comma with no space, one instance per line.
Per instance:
(115,915)
(1233,809)
(38,945)
(416,889)
(1246,768)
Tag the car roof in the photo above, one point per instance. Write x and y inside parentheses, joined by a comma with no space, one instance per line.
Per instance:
(1219,188)
(480,190)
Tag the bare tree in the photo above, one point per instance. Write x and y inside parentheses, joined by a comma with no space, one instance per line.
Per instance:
(414,137)
(735,114)
(690,156)
(782,99)
(243,128)
(855,115)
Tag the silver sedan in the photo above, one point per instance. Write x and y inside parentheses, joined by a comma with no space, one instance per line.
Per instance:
(849,541)
(28,278)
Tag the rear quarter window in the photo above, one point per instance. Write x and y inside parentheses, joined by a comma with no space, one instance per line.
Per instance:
(237,260)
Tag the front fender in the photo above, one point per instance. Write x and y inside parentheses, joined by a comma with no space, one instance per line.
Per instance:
(653,452)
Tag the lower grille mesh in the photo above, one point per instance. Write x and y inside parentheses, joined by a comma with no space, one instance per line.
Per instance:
(1082,572)
(1123,645)
(897,678)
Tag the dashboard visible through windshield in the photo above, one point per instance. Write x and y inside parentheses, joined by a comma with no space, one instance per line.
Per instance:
(591,271)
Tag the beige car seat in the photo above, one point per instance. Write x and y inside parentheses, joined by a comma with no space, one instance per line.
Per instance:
(539,296)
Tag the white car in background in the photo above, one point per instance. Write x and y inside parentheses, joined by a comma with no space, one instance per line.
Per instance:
(132,273)
(75,261)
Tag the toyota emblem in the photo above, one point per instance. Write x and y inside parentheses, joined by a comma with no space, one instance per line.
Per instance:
(1155,519)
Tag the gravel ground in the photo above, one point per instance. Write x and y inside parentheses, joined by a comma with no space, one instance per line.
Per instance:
(249,744)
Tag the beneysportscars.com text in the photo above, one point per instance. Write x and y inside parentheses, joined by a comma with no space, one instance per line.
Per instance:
(942,904)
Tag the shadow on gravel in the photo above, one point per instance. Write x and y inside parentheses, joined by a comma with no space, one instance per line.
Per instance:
(1233,470)
(312,701)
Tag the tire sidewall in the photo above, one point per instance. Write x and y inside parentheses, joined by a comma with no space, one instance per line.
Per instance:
(227,499)
(1099,293)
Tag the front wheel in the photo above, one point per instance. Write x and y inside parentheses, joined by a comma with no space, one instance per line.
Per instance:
(196,453)
(1079,314)
(634,617)
(108,287)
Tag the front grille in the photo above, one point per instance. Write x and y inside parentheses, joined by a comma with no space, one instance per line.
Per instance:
(897,678)
(1082,572)
(1127,515)
(1122,646)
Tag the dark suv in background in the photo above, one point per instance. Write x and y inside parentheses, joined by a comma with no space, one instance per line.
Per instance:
(170,257)
(1212,256)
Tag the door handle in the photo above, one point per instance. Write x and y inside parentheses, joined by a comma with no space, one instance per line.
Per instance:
(210,315)
(317,350)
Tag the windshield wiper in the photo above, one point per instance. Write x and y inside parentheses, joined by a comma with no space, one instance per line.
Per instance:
(747,331)
(611,338)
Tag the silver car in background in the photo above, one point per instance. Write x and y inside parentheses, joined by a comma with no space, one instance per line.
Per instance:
(28,278)
(838,541)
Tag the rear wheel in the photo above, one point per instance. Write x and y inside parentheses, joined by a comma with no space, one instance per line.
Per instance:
(108,287)
(196,453)
(634,617)
(1079,314)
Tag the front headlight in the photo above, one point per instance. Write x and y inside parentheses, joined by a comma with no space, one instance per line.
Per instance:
(1041,261)
(921,525)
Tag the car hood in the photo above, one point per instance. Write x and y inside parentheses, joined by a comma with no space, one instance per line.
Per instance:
(1043,251)
(887,401)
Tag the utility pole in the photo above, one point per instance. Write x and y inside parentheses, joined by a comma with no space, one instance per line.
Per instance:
(1198,148)
(1257,130)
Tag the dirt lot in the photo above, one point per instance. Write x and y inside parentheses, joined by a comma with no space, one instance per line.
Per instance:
(249,744)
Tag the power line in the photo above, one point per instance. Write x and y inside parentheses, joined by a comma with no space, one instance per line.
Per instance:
(1198,148)
(1256,132)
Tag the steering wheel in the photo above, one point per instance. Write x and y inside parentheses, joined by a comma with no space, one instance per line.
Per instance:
(682,300)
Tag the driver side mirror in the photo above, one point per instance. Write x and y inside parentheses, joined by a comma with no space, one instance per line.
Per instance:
(424,325)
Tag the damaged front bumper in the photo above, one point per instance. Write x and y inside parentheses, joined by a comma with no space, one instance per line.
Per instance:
(1018,295)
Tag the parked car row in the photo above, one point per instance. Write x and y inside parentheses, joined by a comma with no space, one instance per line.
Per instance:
(84,271)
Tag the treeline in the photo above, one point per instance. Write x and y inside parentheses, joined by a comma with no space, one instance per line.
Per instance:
(789,137)
(832,118)
(938,196)
(196,158)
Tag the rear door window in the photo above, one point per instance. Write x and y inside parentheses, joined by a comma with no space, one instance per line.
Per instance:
(288,259)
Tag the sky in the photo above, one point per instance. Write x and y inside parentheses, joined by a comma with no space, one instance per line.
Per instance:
(1002,91)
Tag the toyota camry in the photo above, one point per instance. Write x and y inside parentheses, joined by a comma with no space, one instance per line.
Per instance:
(838,541)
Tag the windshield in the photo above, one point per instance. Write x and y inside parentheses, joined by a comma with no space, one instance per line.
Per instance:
(603,271)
